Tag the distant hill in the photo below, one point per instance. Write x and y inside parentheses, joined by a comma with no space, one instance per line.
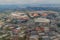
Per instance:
(32,7)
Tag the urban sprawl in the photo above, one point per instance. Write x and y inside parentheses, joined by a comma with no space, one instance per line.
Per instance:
(35,25)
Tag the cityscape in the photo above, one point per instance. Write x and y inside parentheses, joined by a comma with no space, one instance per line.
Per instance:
(29,19)
(30,25)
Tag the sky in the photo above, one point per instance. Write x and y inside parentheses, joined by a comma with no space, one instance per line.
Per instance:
(29,1)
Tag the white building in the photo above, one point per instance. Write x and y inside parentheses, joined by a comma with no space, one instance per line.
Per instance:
(42,20)
(19,15)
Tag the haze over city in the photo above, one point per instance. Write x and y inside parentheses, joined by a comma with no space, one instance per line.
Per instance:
(29,1)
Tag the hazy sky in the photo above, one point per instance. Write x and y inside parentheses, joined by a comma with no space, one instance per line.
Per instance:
(29,1)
